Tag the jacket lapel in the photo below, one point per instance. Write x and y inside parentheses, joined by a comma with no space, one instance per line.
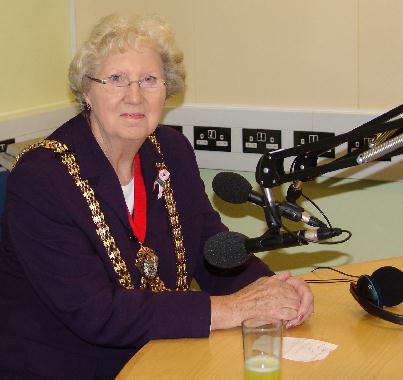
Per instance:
(95,167)
(149,158)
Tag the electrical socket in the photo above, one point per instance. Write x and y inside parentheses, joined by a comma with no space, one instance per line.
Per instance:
(260,140)
(179,128)
(364,142)
(212,138)
(307,137)
(5,143)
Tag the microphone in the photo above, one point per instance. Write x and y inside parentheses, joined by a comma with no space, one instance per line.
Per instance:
(233,188)
(227,250)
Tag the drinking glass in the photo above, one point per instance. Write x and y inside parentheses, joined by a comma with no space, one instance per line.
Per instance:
(262,342)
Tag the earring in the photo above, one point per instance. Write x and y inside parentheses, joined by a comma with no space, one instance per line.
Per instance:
(87,107)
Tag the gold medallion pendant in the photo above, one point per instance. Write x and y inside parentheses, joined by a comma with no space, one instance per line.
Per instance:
(147,265)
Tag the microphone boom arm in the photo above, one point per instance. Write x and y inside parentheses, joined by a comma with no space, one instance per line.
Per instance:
(270,168)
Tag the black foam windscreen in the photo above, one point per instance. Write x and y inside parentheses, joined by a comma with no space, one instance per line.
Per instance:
(226,250)
(231,187)
(389,283)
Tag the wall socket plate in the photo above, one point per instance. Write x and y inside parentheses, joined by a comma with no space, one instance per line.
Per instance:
(353,145)
(179,128)
(5,143)
(212,138)
(307,137)
(260,140)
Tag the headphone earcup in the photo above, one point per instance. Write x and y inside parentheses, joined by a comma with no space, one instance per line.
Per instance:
(383,288)
(389,284)
(368,289)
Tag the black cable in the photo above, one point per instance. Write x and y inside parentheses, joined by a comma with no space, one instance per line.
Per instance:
(293,165)
(349,234)
(279,221)
(331,280)
(334,270)
(292,233)
(309,199)
(318,208)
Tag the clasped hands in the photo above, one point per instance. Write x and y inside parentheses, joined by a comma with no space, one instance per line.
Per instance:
(281,296)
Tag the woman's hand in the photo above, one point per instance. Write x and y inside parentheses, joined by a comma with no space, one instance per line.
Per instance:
(280,296)
(306,301)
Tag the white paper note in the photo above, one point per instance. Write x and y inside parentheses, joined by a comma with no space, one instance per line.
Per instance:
(306,350)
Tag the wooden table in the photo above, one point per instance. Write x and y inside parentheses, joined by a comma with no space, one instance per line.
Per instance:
(368,347)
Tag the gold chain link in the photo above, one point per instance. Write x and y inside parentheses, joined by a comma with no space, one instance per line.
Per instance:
(173,216)
(102,229)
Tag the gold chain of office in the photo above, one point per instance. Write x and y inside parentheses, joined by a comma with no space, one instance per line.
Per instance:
(146,259)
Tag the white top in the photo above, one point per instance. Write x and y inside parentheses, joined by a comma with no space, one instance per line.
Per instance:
(128,192)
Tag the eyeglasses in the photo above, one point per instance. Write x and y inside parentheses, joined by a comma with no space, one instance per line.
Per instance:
(122,80)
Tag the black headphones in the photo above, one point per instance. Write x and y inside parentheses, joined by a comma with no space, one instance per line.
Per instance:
(383,288)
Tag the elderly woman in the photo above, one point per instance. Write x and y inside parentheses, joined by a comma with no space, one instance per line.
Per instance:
(105,225)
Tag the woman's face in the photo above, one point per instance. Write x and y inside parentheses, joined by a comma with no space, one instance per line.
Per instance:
(121,114)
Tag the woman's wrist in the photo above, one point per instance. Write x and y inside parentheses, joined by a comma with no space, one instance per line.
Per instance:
(223,315)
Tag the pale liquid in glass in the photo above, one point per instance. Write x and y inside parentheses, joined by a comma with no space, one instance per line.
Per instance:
(262,367)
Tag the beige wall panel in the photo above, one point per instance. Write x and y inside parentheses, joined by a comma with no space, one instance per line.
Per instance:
(177,12)
(381,53)
(286,53)
(312,53)
(35,46)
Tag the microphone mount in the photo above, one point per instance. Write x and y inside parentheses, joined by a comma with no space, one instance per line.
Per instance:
(270,168)
(270,171)
(272,240)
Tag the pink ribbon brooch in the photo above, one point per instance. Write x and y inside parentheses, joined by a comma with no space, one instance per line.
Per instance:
(163,175)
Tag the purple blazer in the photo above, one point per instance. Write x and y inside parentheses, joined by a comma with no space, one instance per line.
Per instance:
(63,313)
